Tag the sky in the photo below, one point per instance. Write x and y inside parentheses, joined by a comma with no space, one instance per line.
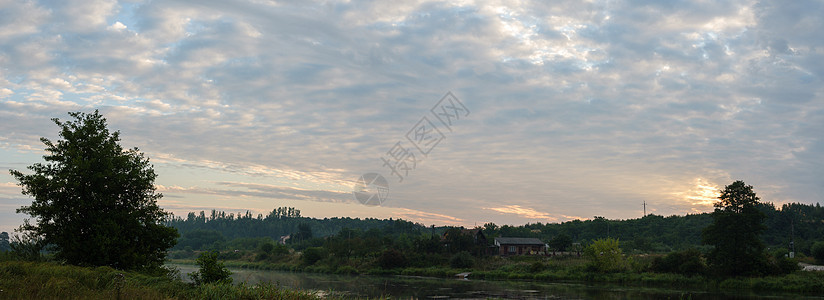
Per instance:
(514,111)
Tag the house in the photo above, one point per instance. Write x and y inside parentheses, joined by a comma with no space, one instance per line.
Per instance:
(520,246)
(282,240)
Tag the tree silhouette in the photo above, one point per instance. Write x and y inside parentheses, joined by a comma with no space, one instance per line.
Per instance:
(94,201)
(735,233)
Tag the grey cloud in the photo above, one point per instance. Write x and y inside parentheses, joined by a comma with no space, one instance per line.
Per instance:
(641,93)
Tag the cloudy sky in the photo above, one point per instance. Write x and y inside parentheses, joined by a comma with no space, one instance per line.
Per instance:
(571,109)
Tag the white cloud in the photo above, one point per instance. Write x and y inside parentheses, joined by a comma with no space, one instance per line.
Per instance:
(578,108)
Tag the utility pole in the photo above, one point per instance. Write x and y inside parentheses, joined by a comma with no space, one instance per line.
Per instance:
(607,228)
(792,238)
(645,208)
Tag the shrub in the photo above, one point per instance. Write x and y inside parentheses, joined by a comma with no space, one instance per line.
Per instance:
(312,255)
(687,262)
(817,251)
(784,265)
(605,255)
(536,267)
(462,260)
(346,270)
(27,247)
(211,270)
(391,259)
(267,248)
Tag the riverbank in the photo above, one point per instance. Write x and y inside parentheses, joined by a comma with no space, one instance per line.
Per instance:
(571,269)
(48,280)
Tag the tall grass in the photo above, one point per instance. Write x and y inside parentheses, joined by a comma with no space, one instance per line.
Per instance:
(47,280)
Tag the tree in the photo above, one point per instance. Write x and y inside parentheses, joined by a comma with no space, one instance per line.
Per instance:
(735,233)
(817,251)
(461,260)
(312,255)
(211,270)
(561,242)
(687,262)
(391,259)
(304,233)
(94,202)
(605,255)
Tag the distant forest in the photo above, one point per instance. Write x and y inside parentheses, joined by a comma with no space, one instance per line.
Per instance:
(801,223)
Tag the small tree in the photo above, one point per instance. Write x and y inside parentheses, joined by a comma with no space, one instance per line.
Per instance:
(462,260)
(605,255)
(391,259)
(312,255)
(26,247)
(687,262)
(211,270)
(818,252)
(561,242)
(94,202)
(736,233)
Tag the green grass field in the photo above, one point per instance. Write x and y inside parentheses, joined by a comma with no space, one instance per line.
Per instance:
(46,280)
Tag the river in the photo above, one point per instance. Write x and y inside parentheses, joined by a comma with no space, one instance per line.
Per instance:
(413,287)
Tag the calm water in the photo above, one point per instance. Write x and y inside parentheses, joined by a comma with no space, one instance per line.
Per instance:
(410,287)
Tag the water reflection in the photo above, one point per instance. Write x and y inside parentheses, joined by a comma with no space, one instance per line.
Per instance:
(413,287)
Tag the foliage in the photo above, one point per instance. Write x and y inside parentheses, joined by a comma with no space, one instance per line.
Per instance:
(560,242)
(817,251)
(201,239)
(211,270)
(4,242)
(94,201)
(456,240)
(391,259)
(536,267)
(605,255)
(27,247)
(312,255)
(347,238)
(687,262)
(304,233)
(43,280)
(735,233)
(462,260)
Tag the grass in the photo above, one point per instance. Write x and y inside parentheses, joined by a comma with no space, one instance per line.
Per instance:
(636,272)
(48,280)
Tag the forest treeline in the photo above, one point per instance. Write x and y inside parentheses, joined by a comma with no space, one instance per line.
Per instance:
(801,223)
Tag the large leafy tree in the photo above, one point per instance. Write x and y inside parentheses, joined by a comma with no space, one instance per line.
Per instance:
(95,202)
(736,233)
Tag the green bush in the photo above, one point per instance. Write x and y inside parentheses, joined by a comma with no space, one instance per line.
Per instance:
(391,259)
(267,248)
(312,255)
(687,262)
(349,270)
(605,255)
(211,270)
(462,260)
(536,267)
(817,250)
(784,265)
